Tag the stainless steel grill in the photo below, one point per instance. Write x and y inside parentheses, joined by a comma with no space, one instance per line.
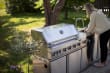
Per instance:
(61,45)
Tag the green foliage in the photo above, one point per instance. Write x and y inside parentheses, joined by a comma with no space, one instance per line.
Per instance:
(53,2)
(68,4)
(19,6)
(39,4)
(71,3)
(92,0)
(21,42)
(72,17)
(2,4)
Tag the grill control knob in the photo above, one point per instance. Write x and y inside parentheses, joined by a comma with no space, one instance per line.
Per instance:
(53,54)
(59,51)
(69,48)
(61,32)
(64,49)
(78,44)
(74,46)
(84,41)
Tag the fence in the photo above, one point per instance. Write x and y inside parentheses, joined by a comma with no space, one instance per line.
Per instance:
(104,5)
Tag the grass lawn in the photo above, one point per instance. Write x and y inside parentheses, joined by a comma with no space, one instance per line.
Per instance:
(21,23)
(8,26)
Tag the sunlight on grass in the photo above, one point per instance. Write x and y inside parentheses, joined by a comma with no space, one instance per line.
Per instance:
(27,27)
(3,53)
(26,24)
(3,12)
(24,66)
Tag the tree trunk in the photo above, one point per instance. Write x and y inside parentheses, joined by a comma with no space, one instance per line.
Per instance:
(48,10)
(52,15)
(56,11)
(66,10)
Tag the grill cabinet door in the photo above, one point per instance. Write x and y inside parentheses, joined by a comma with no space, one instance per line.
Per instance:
(59,65)
(83,58)
(74,62)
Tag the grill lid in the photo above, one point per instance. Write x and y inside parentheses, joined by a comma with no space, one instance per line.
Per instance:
(57,32)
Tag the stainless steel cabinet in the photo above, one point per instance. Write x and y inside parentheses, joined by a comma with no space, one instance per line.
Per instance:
(59,65)
(84,63)
(74,62)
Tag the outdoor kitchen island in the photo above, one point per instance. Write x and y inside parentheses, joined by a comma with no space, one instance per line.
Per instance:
(61,49)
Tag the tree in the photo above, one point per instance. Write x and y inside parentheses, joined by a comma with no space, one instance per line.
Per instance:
(52,14)
(75,5)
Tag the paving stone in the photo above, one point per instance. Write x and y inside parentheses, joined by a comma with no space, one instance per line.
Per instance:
(93,69)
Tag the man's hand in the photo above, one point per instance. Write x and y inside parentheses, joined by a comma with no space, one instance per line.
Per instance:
(83,29)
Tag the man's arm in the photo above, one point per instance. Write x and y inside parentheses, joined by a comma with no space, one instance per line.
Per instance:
(92,23)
